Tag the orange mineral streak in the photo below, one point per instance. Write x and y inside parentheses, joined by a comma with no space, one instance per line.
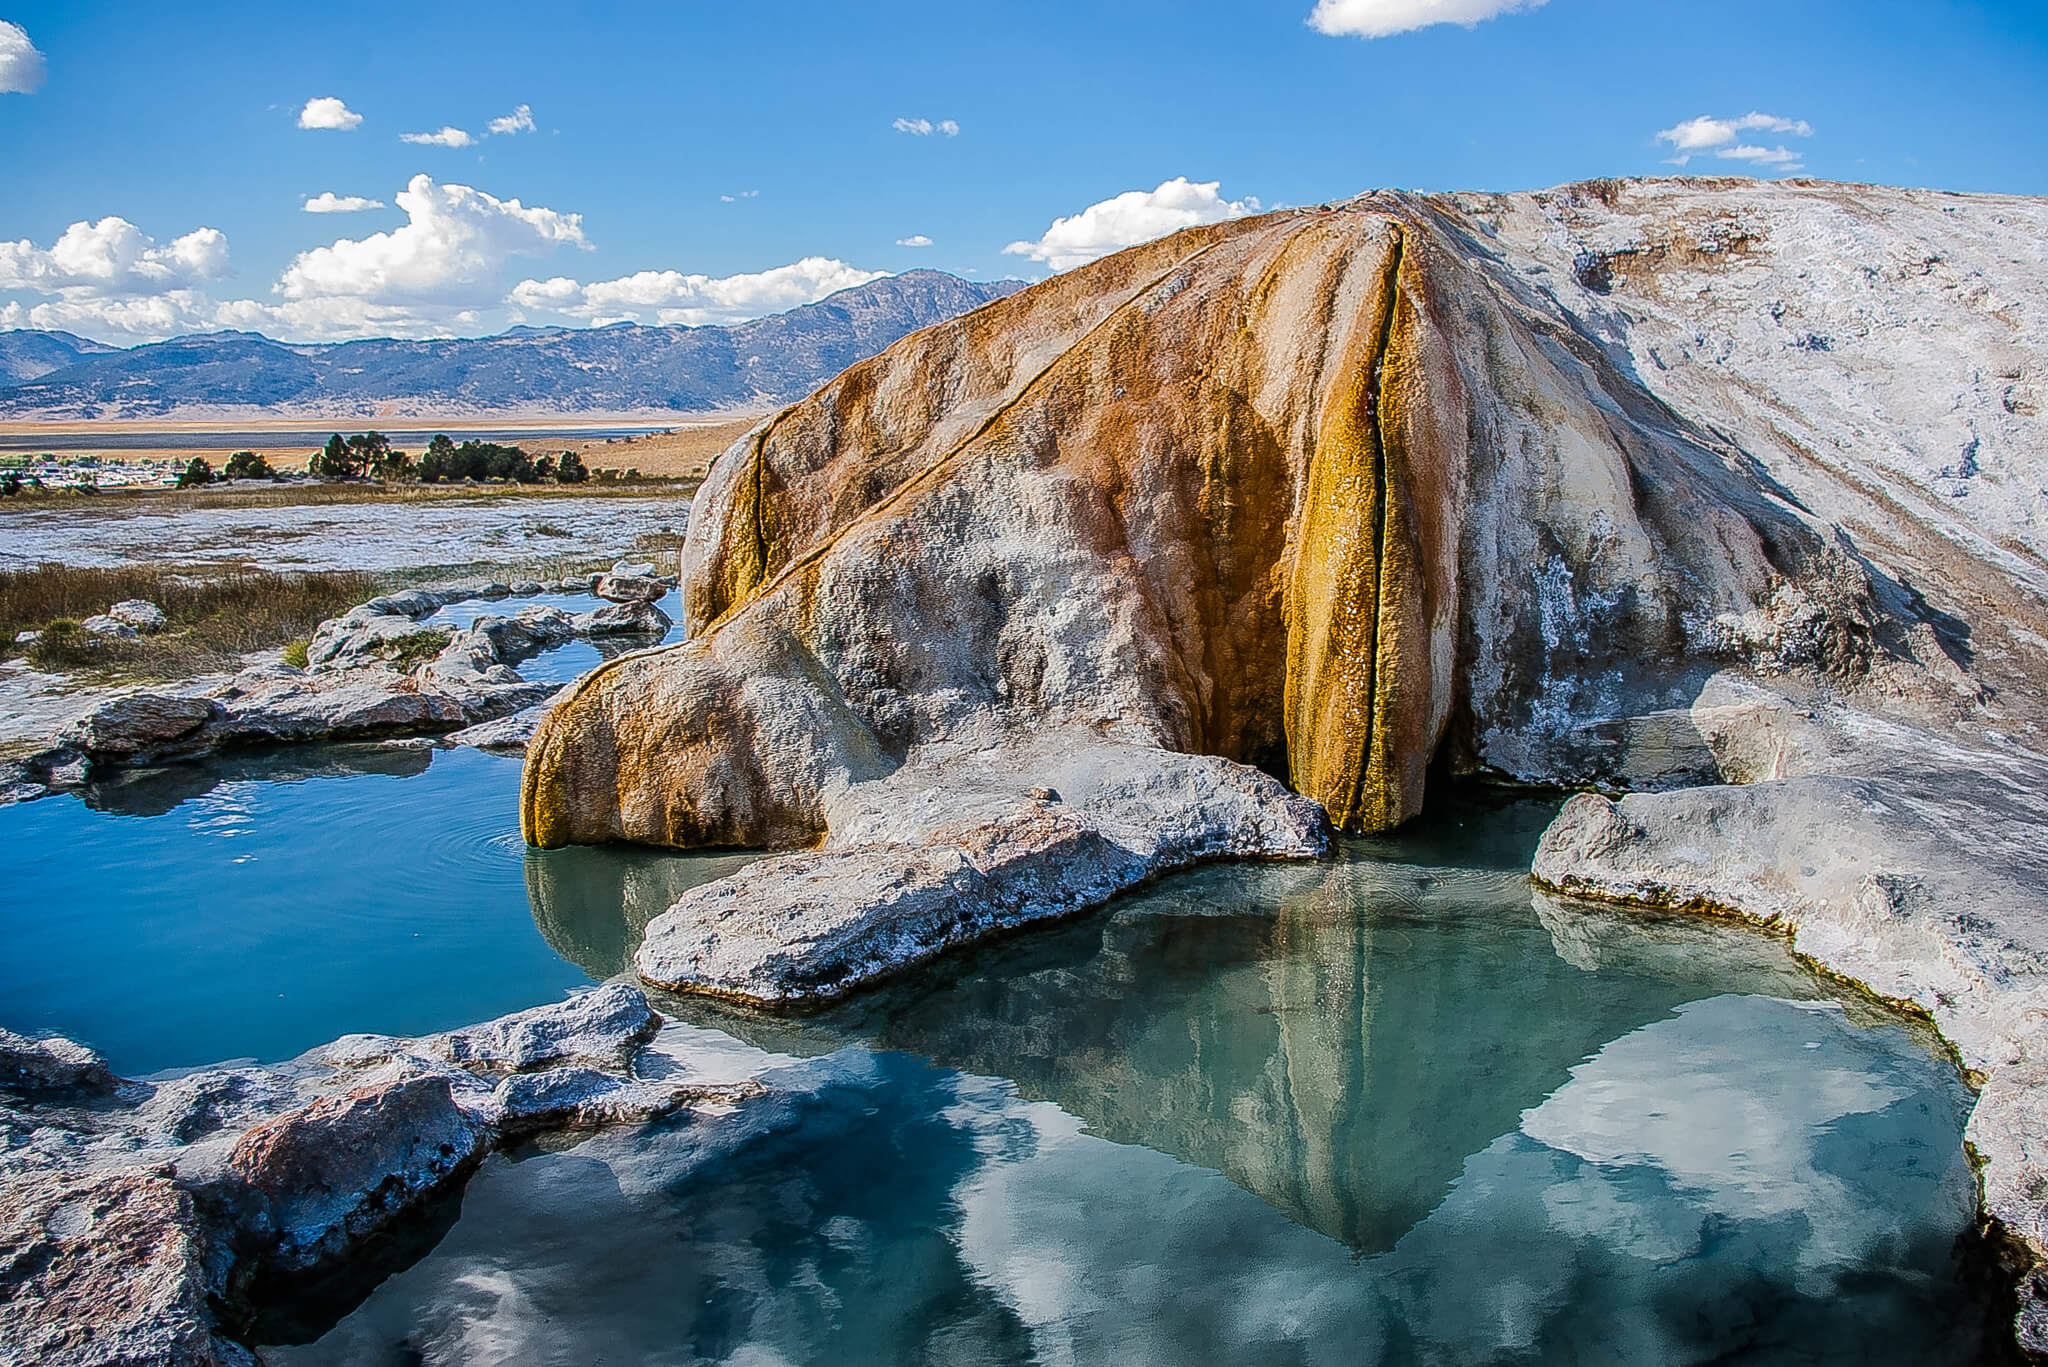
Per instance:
(1226,440)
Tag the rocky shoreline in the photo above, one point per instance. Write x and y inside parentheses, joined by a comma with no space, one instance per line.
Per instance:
(377,671)
(156,1221)
(1903,861)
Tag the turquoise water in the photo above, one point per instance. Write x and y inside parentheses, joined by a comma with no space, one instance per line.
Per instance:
(1396,1109)
(257,906)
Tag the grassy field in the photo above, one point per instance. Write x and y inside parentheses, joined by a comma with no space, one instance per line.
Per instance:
(679,452)
(214,621)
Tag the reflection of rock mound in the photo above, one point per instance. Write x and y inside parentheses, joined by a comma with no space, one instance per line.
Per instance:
(1341,1059)
(592,906)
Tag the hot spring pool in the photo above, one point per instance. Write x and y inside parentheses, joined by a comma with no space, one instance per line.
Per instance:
(1399,1108)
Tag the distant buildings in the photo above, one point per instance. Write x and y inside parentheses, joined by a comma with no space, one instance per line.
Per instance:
(90,471)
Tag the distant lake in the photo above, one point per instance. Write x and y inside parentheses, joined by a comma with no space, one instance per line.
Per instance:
(405,438)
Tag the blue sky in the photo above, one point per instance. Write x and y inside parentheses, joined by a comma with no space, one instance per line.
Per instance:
(703,162)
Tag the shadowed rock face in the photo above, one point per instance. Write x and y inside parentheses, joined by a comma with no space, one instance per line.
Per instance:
(1312,492)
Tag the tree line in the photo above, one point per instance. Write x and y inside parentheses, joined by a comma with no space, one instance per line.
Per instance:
(370,455)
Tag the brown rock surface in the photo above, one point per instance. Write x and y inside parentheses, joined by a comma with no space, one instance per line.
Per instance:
(106,1271)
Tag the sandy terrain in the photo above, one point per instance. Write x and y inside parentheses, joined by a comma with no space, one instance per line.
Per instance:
(685,451)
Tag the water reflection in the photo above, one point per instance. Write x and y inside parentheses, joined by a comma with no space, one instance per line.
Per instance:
(1335,1039)
(880,1210)
(592,903)
(160,790)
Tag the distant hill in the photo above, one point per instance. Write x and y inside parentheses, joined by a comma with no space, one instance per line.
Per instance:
(31,355)
(623,368)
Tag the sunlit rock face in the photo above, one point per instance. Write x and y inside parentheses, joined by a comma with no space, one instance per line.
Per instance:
(1325,490)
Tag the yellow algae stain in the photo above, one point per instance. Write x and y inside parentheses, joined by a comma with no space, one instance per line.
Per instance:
(1349,596)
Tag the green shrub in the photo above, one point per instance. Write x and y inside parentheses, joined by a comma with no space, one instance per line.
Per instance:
(295,653)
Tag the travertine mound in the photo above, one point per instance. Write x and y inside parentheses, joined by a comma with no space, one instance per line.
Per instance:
(1321,490)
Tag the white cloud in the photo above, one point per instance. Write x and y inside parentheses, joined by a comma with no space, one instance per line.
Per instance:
(113,257)
(1382,18)
(519,120)
(1707,135)
(328,202)
(447,137)
(744,194)
(1130,218)
(441,273)
(1763,156)
(914,240)
(139,318)
(21,66)
(450,251)
(924,128)
(325,111)
(111,277)
(694,300)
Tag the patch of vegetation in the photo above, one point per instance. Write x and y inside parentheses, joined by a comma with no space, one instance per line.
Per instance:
(366,455)
(295,652)
(445,462)
(247,465)
(213,620)
(408,653)
(195,474)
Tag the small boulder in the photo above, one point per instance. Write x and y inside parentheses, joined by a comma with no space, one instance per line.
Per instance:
(623,619)
(410,603)
(344,1166)
(585,1098)
(601,1028)
(635,568)
(349,704)
(52,1069)
(506,733)
(102,625)
(526,588)
(139,613)
(27,638)
(631,588)
(137,724)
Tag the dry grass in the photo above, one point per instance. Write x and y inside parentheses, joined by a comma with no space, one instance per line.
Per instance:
(214,621)
(684,453)
(218,615)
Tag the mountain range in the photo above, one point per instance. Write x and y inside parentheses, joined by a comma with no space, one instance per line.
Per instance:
(623,368)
